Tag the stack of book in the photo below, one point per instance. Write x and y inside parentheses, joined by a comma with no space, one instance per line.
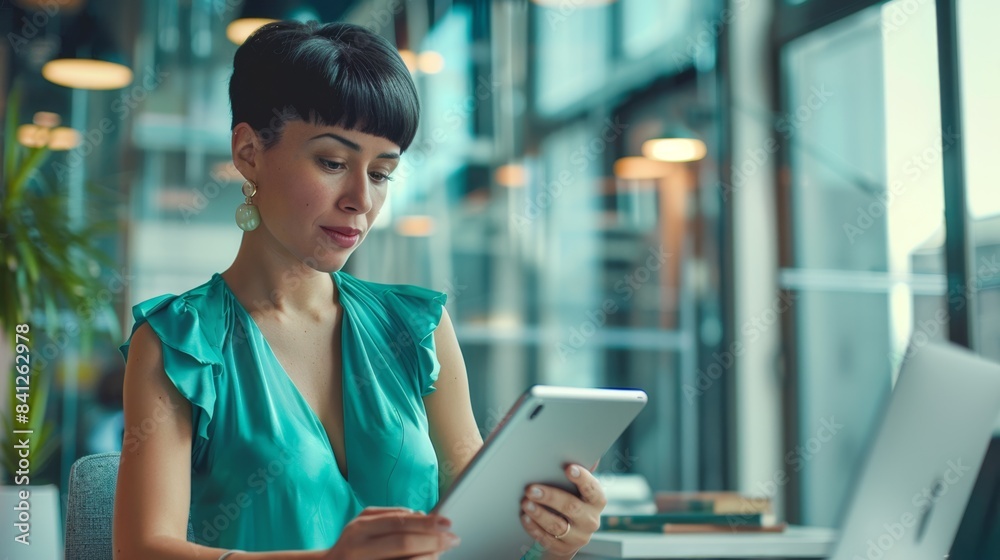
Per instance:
(701,512)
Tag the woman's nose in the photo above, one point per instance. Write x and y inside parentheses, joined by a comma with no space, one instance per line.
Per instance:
(356,197)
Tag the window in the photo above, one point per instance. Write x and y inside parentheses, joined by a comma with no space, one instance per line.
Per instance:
(573,48)
(861,122)
(876,212)
(652,24)
(978,45)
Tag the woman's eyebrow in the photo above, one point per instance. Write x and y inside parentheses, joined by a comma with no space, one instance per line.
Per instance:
(353,146)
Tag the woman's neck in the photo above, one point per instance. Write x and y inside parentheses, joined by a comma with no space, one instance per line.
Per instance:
(267,283)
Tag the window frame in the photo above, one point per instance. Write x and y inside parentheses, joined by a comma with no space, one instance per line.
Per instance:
(792,22)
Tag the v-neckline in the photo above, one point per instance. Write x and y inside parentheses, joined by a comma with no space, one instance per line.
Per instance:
(302,400)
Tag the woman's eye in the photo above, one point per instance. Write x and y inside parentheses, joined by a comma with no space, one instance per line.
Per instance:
(380,177)
(336,165)
(331,164)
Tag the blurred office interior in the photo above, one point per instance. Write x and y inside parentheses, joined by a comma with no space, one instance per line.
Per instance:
(745,208)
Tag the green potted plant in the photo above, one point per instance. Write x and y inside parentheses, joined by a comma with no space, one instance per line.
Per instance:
(49,271)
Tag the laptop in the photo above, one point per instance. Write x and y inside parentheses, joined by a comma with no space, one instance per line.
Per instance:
(924,457)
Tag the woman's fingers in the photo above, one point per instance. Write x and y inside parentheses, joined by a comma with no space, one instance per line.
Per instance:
(401,534)
(404,522)
(549,522)
(407,545)
(384,533)
(590,488)
(398,514)
(555,498)
(578,510)
(549,512)
(552,545)
(379,510)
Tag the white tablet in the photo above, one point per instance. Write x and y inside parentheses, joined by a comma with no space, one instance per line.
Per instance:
(546,428)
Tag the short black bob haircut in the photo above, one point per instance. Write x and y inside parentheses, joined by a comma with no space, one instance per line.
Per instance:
(334,74)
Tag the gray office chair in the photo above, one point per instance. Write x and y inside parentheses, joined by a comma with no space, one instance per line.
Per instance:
(90,507)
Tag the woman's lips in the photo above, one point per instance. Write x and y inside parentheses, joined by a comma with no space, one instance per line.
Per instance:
(345,237)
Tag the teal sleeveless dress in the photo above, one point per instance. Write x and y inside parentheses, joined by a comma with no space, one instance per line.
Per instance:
(263,473)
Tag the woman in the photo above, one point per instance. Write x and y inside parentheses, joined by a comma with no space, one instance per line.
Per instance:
(292,410)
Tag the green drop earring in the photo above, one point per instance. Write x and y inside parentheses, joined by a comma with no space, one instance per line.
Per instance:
(247,215)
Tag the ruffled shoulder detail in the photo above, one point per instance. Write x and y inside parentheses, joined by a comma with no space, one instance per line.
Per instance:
(190,360)
(414,313)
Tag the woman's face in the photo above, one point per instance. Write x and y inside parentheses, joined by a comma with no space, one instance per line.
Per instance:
(319,188)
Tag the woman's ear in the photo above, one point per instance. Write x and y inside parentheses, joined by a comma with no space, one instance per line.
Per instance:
(246,149)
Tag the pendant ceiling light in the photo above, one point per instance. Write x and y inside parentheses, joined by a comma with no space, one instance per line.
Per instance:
(256,13)
(45,132)
(87,57)
(677,144)
(63,6)
(638,168)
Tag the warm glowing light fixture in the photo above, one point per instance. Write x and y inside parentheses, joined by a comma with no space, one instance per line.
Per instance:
(46,118)
(62,6)
(46,132)
(85,73)
(678,144)
(256,13)
(510,175)
(87,57)
(64,138)
(32,136)
(239,29)
(409,59)
(430,62)
(638,168)
(415,225)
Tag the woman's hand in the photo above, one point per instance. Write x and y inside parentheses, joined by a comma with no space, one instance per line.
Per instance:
(380,533)
(561,522)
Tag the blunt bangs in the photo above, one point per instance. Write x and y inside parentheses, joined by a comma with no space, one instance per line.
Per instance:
(334,74)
